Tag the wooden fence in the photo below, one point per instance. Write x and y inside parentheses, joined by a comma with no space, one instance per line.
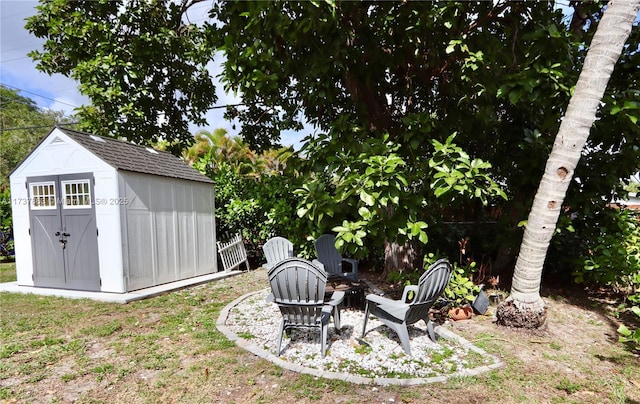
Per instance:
(233,253)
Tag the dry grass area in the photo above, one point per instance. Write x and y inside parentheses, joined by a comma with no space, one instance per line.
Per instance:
(167,350)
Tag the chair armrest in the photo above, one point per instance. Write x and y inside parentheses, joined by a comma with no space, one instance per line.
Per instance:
(379,300)
(407,289)
(394,308)
(336,298)
(353,263)
(270,298)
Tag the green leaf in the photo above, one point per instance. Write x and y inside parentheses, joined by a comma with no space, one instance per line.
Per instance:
(514,96)
(367,198)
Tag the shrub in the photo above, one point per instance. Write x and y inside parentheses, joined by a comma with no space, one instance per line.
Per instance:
(626,335)
(611,253)
(6,226)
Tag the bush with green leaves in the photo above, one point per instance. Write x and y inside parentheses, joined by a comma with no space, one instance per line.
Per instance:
(6,225)
(461,290)
(258,206)
(627,335)
(610,252)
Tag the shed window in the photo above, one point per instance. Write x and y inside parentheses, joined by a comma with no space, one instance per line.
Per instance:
(76,194)
(43,195)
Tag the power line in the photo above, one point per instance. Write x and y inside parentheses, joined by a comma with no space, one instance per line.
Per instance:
(16,49)
(60,102)
(39,95)
(14,59)
(37,127)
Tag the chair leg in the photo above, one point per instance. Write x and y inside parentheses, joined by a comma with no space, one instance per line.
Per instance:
(366,319)
(336,318)
(403,334)
(430,330)
(323,343)
(280,337)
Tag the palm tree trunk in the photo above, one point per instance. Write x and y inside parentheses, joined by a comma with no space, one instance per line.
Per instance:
(525,307)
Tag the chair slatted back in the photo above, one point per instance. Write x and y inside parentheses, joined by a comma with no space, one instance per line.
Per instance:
(277,249)
(430,286)
(298,288)
(328,254)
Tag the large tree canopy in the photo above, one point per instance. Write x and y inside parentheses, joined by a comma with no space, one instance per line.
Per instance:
(141,63)
(388,84)
(499,74)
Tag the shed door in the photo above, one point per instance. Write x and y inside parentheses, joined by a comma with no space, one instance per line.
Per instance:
(63,232)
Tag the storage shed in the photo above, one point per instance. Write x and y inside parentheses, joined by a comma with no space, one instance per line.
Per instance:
(97,214)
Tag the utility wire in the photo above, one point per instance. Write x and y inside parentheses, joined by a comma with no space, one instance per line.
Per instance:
(36,94)
(37,127)
(60,102)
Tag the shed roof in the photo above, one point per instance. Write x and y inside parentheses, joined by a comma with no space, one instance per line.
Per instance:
(130,157)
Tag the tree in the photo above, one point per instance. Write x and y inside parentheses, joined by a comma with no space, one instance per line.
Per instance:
(142,64)
(22,126)
(210,150)
(375,78)
(386,97)
(524,306)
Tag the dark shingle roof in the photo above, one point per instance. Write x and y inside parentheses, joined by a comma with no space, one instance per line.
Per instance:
(130,157)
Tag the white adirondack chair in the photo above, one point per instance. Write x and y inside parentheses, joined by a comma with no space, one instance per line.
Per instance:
(275,250)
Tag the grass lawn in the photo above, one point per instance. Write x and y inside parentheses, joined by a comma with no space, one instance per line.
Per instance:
(167,350)
(7,272)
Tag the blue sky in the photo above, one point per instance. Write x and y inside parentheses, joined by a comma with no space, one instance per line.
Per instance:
(56,92)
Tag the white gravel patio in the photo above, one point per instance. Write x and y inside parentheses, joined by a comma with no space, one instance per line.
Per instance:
(377,358)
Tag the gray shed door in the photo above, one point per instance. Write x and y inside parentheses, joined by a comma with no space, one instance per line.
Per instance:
(63,232)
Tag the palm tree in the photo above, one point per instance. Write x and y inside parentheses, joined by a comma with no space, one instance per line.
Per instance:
(525,307)
(204,141)
(218,148)
(274,161)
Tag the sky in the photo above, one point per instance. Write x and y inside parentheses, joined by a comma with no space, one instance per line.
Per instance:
(59,93)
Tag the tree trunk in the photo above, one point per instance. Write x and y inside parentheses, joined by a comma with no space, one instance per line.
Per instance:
(400,258)
(525,307)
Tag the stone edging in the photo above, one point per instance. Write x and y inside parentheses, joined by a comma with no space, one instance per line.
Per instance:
(221,325)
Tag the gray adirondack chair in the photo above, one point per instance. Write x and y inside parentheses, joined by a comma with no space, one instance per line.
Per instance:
(298,288)
(332,260)
(413,306)
(275,250)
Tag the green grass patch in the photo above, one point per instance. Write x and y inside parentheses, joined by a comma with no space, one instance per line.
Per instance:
(102,330)
(246,335)
(102,371)
(5,393)
(8,272)
(568,385)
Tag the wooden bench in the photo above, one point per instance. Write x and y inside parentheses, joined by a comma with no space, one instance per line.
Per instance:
(233,253)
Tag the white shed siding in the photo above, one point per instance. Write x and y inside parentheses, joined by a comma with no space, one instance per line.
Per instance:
(170,233)
(59,155)
(108,206)
(22,240)
(205,222)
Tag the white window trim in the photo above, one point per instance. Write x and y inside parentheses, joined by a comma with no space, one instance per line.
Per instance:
(64,194)
(33,197)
